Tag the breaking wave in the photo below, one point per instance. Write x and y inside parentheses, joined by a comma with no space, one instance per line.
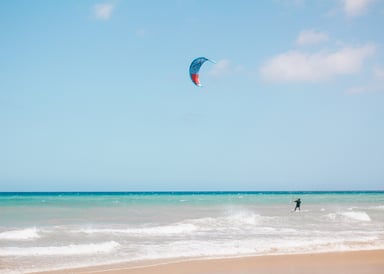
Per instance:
(20,235)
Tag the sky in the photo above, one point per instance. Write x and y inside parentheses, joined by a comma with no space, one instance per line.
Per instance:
(96,95)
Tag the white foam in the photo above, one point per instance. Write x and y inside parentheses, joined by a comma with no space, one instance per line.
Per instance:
(240,220)
(357,216)
(80,249)
(179,228)
(231,220)
(350,215)
(20,235)
(380,207)
(244,218)
(251,246)
(331,216)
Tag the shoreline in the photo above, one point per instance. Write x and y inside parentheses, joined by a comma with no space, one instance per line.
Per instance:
(351,262)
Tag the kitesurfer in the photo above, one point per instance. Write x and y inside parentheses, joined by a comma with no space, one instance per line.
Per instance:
(298,203)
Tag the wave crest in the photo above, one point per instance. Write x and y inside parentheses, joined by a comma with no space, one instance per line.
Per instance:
(20,235)
(350,215)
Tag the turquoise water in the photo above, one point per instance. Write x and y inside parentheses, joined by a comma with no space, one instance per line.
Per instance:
(83,229)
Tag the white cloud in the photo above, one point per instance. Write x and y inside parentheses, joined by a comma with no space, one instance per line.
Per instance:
(297,66)
(358,90)
(375,84)
(103,11)
(378,79)
(378,73)
(224,67)
(355,7)
(311,37)
(141,32)
(221,68)
(368,88)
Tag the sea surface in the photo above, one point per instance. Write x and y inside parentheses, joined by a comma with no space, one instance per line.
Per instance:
(46,231)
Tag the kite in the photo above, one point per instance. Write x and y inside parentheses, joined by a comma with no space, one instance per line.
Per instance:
(194,69)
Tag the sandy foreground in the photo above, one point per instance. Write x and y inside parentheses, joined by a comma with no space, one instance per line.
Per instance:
(367,262)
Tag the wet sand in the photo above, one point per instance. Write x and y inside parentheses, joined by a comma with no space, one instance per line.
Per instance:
(356,262)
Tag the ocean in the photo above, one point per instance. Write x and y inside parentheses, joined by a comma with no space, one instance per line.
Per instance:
(47,231)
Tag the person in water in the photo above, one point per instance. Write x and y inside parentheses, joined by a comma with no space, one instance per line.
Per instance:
(298,203)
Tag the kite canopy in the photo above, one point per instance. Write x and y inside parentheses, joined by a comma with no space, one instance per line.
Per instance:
(194,69)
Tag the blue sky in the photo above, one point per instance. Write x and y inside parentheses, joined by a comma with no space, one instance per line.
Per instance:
(95,95)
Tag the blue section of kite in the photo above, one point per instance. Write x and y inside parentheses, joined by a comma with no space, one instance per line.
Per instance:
(194,69)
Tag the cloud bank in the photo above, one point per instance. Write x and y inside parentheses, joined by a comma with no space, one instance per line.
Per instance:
(298,66)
